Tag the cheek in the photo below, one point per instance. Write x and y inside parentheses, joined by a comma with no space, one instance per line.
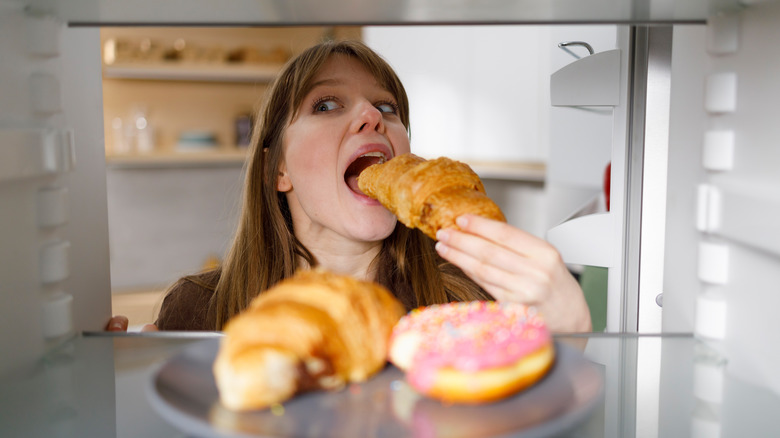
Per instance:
(310,169)
(301,152)
(400,140)
(305,172)
(299,160)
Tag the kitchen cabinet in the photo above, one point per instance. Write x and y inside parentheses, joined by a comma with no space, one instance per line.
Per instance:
(171,209)
(164,87)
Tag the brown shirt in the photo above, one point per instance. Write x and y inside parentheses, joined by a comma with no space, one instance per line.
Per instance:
(186,306)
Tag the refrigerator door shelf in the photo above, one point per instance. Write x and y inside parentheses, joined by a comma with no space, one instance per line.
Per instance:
(30,153)
(590,81)
(586,237)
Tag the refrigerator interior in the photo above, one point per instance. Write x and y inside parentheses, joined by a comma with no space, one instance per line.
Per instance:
(694,180)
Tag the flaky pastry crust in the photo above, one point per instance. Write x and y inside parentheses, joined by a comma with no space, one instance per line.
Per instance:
(316,330)
(428,194)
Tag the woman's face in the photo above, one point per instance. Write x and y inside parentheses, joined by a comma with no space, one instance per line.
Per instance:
(346,122)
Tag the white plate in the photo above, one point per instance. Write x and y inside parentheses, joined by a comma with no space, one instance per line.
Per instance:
(183,391)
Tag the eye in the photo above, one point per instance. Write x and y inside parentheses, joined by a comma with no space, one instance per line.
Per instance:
(325,104)
(387,107)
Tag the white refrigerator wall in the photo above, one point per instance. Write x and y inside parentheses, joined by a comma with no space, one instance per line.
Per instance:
(54,278)
(723,247)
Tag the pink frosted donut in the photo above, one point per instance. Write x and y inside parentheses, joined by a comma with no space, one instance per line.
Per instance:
(472,352)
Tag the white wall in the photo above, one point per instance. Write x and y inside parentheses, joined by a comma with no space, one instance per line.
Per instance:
(476,92)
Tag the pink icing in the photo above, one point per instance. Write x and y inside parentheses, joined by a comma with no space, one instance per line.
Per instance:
(471,336)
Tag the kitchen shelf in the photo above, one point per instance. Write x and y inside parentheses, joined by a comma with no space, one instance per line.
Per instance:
(232,158)
(192,72)
(509,171)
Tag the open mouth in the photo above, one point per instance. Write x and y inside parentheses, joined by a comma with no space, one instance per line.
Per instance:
(359,165)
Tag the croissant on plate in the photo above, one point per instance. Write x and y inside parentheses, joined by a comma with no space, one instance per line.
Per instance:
(428,194)
(315,330)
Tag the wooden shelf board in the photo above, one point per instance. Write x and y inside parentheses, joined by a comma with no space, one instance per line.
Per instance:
(192,72)
(528,171)
(178,159)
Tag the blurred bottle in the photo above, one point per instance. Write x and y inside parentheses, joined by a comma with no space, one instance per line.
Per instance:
(121,142)
(243,130)
(144,135)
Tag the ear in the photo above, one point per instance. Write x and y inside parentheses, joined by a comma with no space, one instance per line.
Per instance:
(283,183)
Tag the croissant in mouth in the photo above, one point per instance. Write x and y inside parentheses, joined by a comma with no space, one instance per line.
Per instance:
(315,330)
(428,194)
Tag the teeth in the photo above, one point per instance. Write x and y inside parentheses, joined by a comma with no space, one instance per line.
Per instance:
(382,156)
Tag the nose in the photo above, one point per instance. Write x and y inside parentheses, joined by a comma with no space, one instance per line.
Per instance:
(368,117)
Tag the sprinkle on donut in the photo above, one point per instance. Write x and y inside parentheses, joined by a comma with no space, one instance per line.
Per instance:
(468,337)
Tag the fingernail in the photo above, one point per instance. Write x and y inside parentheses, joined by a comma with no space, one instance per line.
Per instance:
(461,221)
(441,248)
(442,236)
(117,325)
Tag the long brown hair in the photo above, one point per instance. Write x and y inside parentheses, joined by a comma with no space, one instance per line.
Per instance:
(265,249)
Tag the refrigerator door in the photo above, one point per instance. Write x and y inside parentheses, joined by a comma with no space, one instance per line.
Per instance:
(53,215)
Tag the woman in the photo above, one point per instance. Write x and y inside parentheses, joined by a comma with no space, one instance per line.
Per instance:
(335,103)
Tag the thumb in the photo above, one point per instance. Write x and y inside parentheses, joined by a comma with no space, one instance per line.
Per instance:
(117,323)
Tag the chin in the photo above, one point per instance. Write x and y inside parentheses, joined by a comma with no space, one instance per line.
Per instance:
(377,230)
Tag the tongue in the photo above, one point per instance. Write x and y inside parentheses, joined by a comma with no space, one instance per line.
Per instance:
(352,182)
(354,169)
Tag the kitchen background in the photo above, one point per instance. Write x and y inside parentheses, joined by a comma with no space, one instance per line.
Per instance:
(178,105)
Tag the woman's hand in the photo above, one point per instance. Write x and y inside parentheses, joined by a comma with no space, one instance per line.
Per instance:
(119,323)
(513,265)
